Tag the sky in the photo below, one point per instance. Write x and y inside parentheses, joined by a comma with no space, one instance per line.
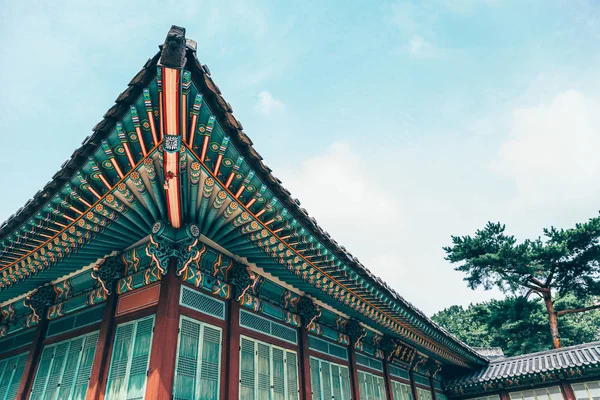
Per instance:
(396,123)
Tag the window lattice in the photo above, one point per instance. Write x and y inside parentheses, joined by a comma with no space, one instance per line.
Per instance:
(130,358)
(267,371)
(548,393)
(371,387)
(370,362)
(11,370)
(75,321)
(492,397)
(198,363)
(202,303)
(263,325)
(422,380)
(423,394)
(329,380)
(13,342)
(326,347)
(587,390)
(64,369)
(401,391)
(398,372)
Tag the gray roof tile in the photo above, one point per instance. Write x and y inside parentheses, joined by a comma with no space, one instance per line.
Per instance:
(546,361)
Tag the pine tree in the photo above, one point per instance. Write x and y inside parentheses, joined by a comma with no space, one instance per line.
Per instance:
(563,262)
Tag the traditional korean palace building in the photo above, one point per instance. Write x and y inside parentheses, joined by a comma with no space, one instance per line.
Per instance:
(165,261)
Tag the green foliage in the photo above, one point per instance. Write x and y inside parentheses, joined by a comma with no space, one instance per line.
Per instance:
(519,325)
(567,261)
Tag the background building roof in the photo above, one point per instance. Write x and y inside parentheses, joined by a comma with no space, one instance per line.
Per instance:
(546,365)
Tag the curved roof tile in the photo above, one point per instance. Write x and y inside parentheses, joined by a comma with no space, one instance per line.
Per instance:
(587,354)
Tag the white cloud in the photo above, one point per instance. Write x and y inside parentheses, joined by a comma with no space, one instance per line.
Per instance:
(464,6)
(336,185)
(415,26)
(419,47)
(380,209)
(552,153)
(418,24)
(259,75)
(267,104)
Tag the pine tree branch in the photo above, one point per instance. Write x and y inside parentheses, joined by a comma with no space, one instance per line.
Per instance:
(536,281)
(551,275)
(536,289)
(578,310)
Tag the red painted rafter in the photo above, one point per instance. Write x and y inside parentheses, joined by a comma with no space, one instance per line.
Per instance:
(171,127)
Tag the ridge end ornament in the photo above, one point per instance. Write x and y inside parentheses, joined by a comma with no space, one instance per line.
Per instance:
(173,50)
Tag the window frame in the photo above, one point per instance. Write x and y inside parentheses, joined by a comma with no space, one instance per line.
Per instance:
(584,383)
(535,396)
(340,366)
(383,395)
(200,350)
(271,375)
(11,382)
(394,381)
(127,375)
(427,393)
(54,344)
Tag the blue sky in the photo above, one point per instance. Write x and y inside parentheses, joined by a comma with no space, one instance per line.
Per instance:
(396,124)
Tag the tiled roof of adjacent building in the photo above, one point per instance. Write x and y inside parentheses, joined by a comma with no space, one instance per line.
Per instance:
(491,353)
(547,364)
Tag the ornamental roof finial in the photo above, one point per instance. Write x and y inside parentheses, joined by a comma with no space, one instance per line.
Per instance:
(173,50)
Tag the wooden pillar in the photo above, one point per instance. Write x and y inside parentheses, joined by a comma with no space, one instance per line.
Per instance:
(387,379)
(100,366)
(35,352)
(305,384)
(431,383)
(353,373)
(567,390)
(161,373)
(504,395)
(413,387)
(232,351)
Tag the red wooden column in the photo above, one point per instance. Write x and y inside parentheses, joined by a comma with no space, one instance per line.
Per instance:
(35,351)
(567,391)
(232,351)
(413,387)
(504,395)
(353,373)
(97,383)
(431,383)
(387,379)
(161,373)
(305,384)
